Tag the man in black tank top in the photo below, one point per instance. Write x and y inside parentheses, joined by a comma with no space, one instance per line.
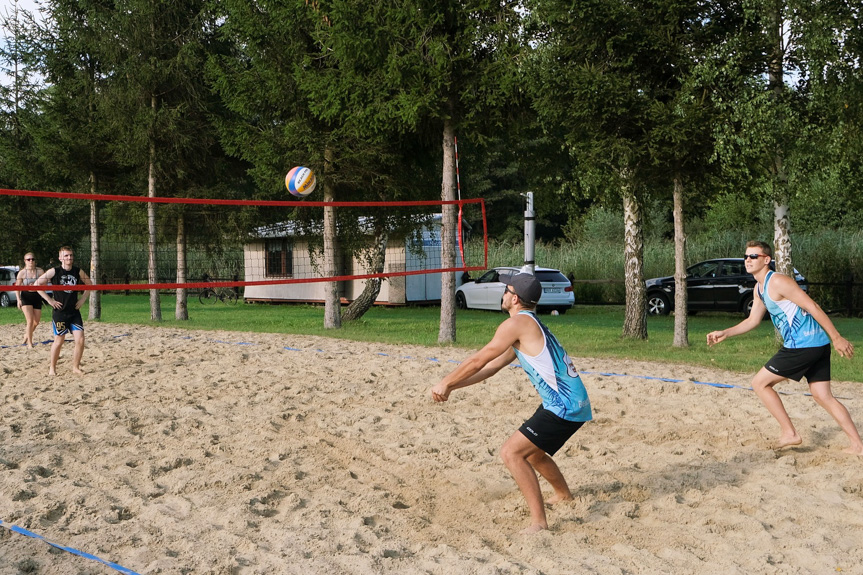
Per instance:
(66,317)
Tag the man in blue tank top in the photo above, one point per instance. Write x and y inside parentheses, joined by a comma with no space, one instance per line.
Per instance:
(565,405)
(806,335)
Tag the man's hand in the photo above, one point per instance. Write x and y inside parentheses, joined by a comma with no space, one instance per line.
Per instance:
(440,392)
(844,347)
(715,337)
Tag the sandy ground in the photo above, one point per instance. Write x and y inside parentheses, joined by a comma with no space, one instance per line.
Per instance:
(233,453)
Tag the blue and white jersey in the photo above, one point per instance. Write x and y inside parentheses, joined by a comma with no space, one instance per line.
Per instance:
(797,327)
(555,378)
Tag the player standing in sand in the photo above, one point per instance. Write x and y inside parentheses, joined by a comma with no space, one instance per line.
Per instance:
(29,302)
(565,405)
(67,307)
(806,333)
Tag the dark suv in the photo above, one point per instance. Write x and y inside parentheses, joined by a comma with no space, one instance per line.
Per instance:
(712,285)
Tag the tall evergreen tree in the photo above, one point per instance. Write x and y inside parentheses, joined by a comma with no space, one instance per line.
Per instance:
(600,71)
(160,104)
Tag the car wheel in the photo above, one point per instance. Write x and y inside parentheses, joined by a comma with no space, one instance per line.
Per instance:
(658,304)
(746,307)
(460,301)
(5,301)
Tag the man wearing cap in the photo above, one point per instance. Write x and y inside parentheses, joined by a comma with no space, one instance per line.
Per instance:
(565,405)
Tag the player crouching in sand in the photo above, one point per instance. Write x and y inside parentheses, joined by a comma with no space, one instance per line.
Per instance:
(565,405)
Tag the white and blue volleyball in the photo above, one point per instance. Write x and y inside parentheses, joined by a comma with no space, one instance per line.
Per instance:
(300,181)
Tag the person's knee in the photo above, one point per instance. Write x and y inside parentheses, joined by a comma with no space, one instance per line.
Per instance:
(821,394)
(510,454)
(507,453)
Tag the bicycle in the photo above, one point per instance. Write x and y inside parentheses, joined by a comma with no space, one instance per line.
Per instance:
(227,295)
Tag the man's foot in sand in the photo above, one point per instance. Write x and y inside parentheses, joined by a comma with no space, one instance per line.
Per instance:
(52,371)
(854,451)
(558,498)
(536,528)
(78,371)
(789,441)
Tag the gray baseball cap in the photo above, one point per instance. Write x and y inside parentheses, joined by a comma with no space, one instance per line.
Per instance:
(526,286)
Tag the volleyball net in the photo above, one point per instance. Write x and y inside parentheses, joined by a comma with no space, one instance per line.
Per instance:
(273,250)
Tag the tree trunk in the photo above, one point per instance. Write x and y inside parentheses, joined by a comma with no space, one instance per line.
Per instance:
(152,276)
(776,83)
(635,321)
(376,260)
(332,299)
(447,331)
(782,225)
(95,254)
(681,325)
(181,311)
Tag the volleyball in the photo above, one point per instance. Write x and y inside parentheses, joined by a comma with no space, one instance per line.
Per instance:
(300,181)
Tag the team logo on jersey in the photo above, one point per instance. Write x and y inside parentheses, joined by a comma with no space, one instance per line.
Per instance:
(68,280)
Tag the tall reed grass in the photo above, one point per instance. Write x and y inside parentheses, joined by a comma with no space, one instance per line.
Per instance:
(831,256)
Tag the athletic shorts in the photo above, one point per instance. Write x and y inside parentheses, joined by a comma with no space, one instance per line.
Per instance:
(548,431)
(31,298)
(813,363)
(64,323)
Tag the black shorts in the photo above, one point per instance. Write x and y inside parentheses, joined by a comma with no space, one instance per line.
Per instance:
(548,431)
(813,363)
(31,298)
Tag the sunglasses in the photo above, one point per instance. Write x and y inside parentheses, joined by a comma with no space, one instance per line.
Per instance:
(753,256)
(507,290)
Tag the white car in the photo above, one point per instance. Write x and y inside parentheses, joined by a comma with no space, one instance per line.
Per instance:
(7,278)
(486,292)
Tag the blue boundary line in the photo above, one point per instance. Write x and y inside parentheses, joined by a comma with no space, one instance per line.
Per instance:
(46,342)
(25,532)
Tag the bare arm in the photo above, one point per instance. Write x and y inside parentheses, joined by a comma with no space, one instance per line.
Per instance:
(788,289)
(43,280)
(19,281)
(748,324)
(483,364)
(85,279)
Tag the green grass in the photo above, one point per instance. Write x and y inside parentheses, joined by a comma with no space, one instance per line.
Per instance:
(585,331)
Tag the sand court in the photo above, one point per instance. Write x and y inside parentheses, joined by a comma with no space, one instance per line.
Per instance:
(182,452)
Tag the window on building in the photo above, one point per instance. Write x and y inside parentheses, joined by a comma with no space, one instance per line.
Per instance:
(279,258)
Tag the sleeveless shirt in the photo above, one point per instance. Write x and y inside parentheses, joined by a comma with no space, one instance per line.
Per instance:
(798,328)
(555,378)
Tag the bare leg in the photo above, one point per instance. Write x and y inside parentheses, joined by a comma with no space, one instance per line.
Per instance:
(32,316)
(762,384)
(516,452)
(37,317)
(546,466)
(28,310)
(56,347)
(79,351)
(824,397)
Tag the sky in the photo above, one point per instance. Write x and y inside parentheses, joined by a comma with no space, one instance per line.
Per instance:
(7,7)
(22,4)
